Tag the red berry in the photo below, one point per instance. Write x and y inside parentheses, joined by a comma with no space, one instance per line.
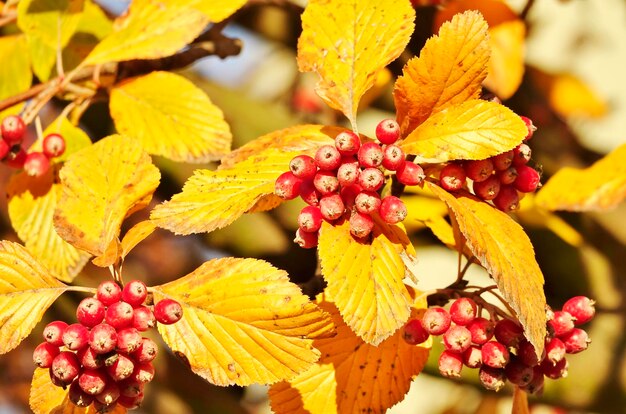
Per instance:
(527,354)
(481,330)
(92,381)
(122,368)
(16,159)
(450,364)
(326,182)
(79,397)
(473,357)
(303,167)
(410,173)
(495,355)
(521,155)
(44,354)
(310,219)
(507,176)
(509,333)
(130,388)
(452,177)
(309,194)
(527,179)
(555,350)
(90,312)
(371,179)
(103,338)
(518,373)
(348,174)
(143,373)
(370,155)
(414,333)
(143,318)
(349,194)
(12,129)
(507,199)
(457,339)
(561,323)
(332,207)
(328,158)
(361,225)
(89,358)
(146,352)
(109,395)
(531,128)
(119,315)
(581,308)
(305,239)
(53,145)
(436,320)
(53,333)
(168,311)
(555,371)
(392,210)
(4,149)
(109,292)
(503,161)
(536,384)
(36,164)
(388,131)
(575,341)
(463,311)
(347,143)
(131,403)
(479,170)
(65,366)
(76,336)
(393,157)
(287,186)
(488,189)
(491,378)
(367,202)
(128,340)
(135,293)
(55,381)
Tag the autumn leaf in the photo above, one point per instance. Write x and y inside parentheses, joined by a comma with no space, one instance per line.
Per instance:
(136,235)
(149,31)
(101,185)
(348,42)
(449,71)
(502,247)
(506,66)
(171,117)
(351,376)
(26,291)
(15,73)
(365,277)
(601,186)
(215,10)
(243,322)
(473,130)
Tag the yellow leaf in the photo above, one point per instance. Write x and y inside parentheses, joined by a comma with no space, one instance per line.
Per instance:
(31,207)
(530,214)
(569,96)
(26,291)
(506,66)
(448,72)
(15,74)
(473,130)
(171,117)
(215,10)
(102,184)
(149,31)
(348,42)
(243,322)
(351,376)
(75,138)
(599,187)
(520,402)
(502,247)
(213,199)
(429,212)
(365,278)
(136,235)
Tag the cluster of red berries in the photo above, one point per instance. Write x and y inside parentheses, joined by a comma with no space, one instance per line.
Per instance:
(347,178)
(13,154)
(468,341)
(498,179)
(103,358)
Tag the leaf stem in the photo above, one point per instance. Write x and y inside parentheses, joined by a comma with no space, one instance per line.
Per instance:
(81,289)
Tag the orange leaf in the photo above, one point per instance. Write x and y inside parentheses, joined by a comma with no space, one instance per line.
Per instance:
(243,322)
(599,187)
(348,42)
(494,12)
(502,247)
(351,376)
(506,66)
(449,71)
(365,278)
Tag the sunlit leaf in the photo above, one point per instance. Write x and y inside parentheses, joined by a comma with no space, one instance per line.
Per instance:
(15,73)
(506,66)
(473,130)
(599,187)
(429,212)
(149,31)
(449,71)
(26,291)
(365,278)
(348,42)
(171,117)
(136,235)
(520,402)
(243,322)
(530,214)
(215,10)
(351,376)
(502,247)
(102,184)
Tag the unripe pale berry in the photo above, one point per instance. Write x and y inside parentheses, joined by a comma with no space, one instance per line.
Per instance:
(410,173)
(530,127)
(79,397)
(452,177)
(4,149)
(109,292)
(450,364)
(507,176)
(473,357)
(457,339)
(135,293)
(492,379)
(495,355)
(507,199)
(555,371)
(328,158)
(128,340)
(326,182)
(287,186)
(92,381)
(305,239)
(488,189)
(53,145)
(561,323)
(481,330)
(575,341)
(53,332)
(478,170)
(370,155)
(521,155)
(143,318)
(332,207)
(503,161)
(581,308)
(347,143)
(518,373)
(463,311)
(44,354)
(119,315)
(348,174)
(367,202)
(146,352)
(103,338)
(12,129)
(393,157)
(392,210)
(361,225)
(76,336)
(36,164)
(527,179)
(371,179)
(90,312)
(303,167)
(65,366)
(122,368)
(414,333)
(388,131)
(309,194)
(436,320)
(310,219)
(168,311)
(509,333)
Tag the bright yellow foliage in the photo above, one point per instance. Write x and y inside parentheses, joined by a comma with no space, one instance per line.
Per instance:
(506,66)
(136,235)
(15,73)
(215,10)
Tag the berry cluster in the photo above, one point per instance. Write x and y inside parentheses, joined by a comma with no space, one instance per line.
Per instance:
(469,340)
(348,177)
(13,154)
(498,179)
(103,358)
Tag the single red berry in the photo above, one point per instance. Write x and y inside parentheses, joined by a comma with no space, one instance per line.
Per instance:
(521,155)
(414,333)
(143,318)
(328,158)
(92,381)
(561,323)
(4,149)
(531,128)
(367,202)
(109,292)
(143,373)
(53,332)
(361,225)
(479,170)
(347,143)
(128,340)
(309,194)
(79,397)
(392,210)
(109,395)
(495,355)
(575,341)
(135,293)
(90,312)
(527,179)
(457,339)
(65,366)
(326,182)
(581,308)
(305,239)
(503,161)
(518,373)
(16,159)
(371,179)
(370,155)
(303,166)
(450,364)
(463,311)
(119,315)
(168,311)
(121,369)
(44,354)
(507,199)
(55,381)
(287,186)
(436,320)
(393,157)
(555,371)
(507,176)
(488,189)
(481,330)
(103,338)
(349,194)
(130,403)
(555,350)
(36,164)
(452,177)
(536,384)
(53,145)
(509,333)
(89,359)
(76,336)
(388,131)
(146,352)
(310,219)
(492,379)
(473,357)
(527,354)
(348,174)
(12,129)
(130,388)
(410,173)
(332,207)
(304,99)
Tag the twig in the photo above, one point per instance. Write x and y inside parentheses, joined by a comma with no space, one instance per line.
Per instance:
(526,10)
